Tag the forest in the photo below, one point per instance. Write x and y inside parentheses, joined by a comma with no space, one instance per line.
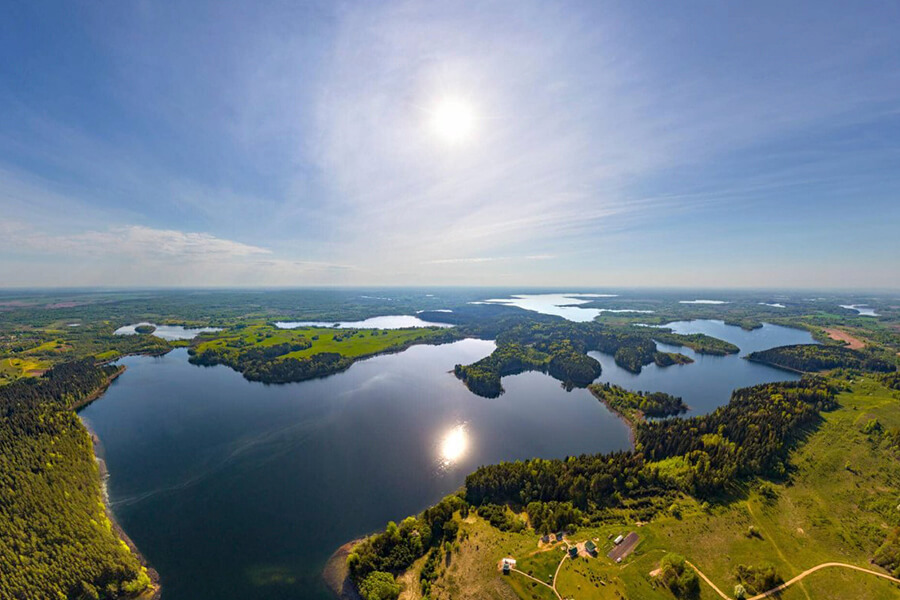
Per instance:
(748,436)
(634,406)
(55,537)
(818,357)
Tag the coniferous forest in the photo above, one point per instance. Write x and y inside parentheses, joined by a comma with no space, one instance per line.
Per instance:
(56,540)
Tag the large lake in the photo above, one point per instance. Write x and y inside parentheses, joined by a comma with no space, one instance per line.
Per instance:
(239,490)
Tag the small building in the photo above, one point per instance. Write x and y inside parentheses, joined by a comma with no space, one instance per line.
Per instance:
(546,538)
(618,540)
(508,563)
(573,551)
(591,547)
(559,536)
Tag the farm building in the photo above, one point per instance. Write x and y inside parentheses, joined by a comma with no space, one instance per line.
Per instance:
(508,563)
(618,540)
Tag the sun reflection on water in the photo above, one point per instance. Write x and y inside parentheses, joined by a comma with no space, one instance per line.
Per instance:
(454,444)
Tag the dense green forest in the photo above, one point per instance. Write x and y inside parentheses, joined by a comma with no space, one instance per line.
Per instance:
(748,436)
(698,342)
(817,357)
(56,539)
(483,377)
(636,405)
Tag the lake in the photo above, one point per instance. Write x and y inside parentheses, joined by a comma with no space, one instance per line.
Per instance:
(240,490)
(384,322)
(707,382)
(561,305)
(167,332)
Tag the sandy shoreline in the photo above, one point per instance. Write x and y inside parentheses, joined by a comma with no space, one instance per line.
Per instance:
(337,575)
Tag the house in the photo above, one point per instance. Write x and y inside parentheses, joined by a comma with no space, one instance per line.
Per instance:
(591,547)
(573,551)
(618,540)
(508,563)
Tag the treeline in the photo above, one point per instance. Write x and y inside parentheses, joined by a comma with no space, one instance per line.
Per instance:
(483,377)
(561,347)
(55,538)
(548,517)
(751,435)
(698,342)
(629,404)
(748,436)
(819,357)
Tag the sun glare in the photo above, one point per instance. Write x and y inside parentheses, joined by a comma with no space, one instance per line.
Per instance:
(454,444)
(453,120)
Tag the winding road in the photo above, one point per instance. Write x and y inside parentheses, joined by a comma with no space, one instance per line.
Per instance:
(794,580)
(552,587)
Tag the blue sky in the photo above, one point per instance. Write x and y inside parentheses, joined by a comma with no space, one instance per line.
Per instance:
(612,144)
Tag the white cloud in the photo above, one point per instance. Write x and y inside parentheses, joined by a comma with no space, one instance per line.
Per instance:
(133,241)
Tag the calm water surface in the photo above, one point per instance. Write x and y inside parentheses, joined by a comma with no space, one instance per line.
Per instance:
(235,489)
(561,305)
(709,380)
(383,322)
(239,490)
(167,332)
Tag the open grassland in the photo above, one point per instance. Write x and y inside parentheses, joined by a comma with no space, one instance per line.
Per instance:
(14,368)
(351,343)
(837,504)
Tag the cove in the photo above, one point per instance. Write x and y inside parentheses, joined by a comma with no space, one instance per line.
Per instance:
(708,382)
(233,489)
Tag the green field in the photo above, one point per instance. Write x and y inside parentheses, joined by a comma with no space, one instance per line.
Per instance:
(351,343)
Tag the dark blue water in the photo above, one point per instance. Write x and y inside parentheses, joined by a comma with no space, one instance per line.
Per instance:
(240,490)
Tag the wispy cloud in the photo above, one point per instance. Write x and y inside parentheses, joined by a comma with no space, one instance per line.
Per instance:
(132,241)
(483,259)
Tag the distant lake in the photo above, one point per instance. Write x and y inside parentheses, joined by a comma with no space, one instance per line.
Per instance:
(237,490)
(861,309)
(167,332)
(561,305)
(385,322)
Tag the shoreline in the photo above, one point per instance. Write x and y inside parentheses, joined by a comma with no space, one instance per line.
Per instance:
(336,574)
(631,422)
(154,592)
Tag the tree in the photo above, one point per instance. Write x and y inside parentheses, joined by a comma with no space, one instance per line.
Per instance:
(379,585)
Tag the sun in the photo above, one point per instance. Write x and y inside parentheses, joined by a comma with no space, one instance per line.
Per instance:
(453,120)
